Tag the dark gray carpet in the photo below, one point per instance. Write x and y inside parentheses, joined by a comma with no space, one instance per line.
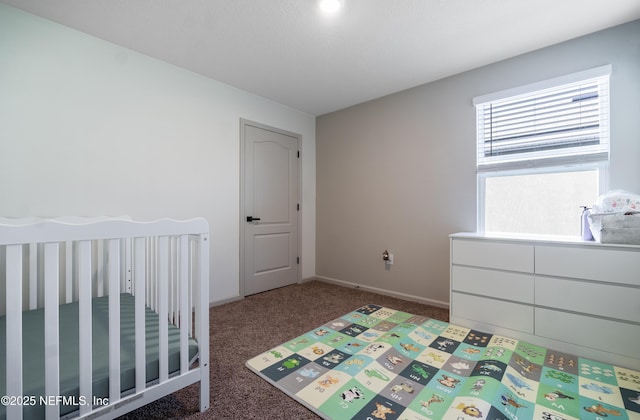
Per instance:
(244,329)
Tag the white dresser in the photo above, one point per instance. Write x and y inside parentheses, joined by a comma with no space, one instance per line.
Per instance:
(578,297)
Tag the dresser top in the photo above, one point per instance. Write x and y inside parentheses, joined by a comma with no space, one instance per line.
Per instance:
(538,239)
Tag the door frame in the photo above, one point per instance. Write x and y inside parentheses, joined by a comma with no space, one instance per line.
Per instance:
(245,122)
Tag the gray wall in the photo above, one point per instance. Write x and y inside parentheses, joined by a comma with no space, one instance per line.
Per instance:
(398,172)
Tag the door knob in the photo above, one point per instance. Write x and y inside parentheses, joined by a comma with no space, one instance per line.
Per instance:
(251,218)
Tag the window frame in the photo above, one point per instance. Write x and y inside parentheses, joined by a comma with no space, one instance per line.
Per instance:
(571,163)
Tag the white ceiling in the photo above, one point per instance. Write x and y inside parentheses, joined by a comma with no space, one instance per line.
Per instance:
(288,52)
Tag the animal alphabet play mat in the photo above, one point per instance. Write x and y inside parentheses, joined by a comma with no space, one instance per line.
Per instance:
(379,363)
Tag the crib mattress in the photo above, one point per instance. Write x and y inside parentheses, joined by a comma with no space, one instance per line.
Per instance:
(33,351)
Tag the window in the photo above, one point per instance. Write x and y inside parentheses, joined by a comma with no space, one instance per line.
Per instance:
(542,152)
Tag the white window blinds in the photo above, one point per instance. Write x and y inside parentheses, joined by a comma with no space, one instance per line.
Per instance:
(554,122)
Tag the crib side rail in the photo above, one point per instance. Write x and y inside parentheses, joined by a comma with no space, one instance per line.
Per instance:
(62,230)
(164,265)
(14,327)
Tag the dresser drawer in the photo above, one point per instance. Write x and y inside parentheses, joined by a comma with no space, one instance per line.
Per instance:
(602,334)
(498,255)
(591,298)
(514,316)
(500,284)
(591,263)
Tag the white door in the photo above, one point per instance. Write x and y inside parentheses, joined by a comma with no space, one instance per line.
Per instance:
(269,208)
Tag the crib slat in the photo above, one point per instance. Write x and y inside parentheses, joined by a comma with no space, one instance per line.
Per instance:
(153,282)
(51,327)
(147,289)
(153,273)
(101,268)
(85,324)
(68,267)
(14,327)
(33,276)
(113,278)
(163,295)
(172,280)
(184,311)
(192,268)
(127,273)
(139,287)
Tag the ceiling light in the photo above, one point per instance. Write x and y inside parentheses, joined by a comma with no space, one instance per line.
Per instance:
(330,6)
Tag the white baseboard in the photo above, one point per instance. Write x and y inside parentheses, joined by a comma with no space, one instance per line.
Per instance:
(223,301)
(391,293)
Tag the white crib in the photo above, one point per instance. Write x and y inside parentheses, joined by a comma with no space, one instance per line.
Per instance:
(101,316)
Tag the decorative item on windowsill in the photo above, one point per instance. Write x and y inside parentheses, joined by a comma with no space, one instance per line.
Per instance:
(585,229)
(615,218)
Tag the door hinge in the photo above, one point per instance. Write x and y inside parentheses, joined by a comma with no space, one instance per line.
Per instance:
(298,154)
(297,260)
(298,206)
